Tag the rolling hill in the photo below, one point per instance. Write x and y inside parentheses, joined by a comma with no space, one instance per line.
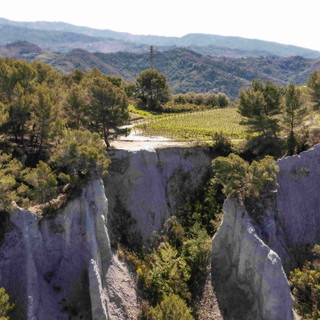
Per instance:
(111,41)
(185,70)
(65,41)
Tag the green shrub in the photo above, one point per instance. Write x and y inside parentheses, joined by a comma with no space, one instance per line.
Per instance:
(5,306)
(222,145)
(42,181)
(172,307)
(306,287)
(165,272)
(81,153)
(10,170)
(243,180)
(196,251)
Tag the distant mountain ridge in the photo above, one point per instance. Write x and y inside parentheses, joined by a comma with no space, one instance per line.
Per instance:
(65,41)
(206,44)
(185,70)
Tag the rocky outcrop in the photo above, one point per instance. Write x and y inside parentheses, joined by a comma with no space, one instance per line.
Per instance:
(245,258)
(247,275)
(61,267)
(54,267)
(298,200)
(145,187)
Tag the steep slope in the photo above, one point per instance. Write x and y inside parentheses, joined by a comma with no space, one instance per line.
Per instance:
(248,276)
(62,266)
(203,43)
(53,267)
(299,202)
(246,264)
(189,71)
(145,187)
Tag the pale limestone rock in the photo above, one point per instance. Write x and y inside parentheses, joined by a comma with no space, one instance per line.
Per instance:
(54,267)
(298,200)
(147,186)
(248,276)
(62,265)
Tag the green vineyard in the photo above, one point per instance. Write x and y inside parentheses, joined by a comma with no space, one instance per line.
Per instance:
(200,125)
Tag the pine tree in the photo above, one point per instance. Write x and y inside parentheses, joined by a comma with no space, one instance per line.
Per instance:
(294,112)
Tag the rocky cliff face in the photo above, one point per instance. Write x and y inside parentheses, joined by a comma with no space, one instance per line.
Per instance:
(245,259)
(248,275)
(145,187)
(62,266)
(55,267)
(298,200)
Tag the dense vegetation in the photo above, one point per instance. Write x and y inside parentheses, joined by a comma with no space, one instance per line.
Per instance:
(173,271)
(306,286)
(5,305)
(152,89)
(51,128)
(186,71)
(56,130)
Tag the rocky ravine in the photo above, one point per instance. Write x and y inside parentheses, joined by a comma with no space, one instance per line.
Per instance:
(62,266)
(246,264)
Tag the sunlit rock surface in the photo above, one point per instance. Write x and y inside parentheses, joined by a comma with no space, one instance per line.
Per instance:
(53,267)
(247,270)
(298,200)
(247,275)
(62,266)
(145,187)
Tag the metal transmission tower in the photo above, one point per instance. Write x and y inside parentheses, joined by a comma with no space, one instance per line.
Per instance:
(151,56)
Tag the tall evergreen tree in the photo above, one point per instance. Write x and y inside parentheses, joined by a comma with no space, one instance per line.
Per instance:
(314,88)
(108,108)
(294,112)
(260,104)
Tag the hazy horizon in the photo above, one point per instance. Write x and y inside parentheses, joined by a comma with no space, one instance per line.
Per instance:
(282,22)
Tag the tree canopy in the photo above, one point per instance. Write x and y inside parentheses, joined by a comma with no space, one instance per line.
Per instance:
(51,126)
(260,104)
(152,89)
(294,111)
(314,88)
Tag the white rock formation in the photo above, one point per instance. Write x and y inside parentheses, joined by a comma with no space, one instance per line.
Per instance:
(298,200)
(144,187)
(54,267)
(61,266)
(121,292)
(245,268)
(248,276)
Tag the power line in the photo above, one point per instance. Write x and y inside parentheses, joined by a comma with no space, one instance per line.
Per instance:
(151,57)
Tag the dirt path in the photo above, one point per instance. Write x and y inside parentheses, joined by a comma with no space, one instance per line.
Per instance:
(134,141)
(147,144)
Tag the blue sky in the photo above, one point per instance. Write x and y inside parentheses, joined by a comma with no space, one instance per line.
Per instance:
(289,22)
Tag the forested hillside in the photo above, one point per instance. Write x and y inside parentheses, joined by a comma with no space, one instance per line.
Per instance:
(186,71)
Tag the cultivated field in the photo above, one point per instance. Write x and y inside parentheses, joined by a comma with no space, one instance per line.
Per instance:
(200,125)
